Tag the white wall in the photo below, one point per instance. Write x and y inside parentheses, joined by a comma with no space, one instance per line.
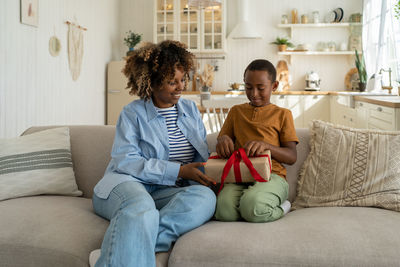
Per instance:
(36,88)
(138,16)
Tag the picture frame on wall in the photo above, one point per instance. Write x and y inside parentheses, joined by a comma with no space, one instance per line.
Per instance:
(30,12)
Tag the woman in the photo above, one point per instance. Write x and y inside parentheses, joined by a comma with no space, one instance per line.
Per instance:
(160,142)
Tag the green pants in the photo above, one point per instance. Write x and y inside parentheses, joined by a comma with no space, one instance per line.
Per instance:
(258,202)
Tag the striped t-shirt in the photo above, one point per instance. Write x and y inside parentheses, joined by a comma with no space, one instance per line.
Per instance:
(180,150)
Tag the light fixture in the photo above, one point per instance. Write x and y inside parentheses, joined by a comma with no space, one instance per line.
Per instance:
(245,28)
(204,3)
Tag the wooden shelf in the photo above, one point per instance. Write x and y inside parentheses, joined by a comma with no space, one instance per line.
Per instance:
(316,53)
(319,25)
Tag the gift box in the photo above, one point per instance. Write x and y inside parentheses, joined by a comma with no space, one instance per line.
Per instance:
(239,168)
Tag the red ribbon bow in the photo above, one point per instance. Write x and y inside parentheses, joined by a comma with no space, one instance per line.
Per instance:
(235,160)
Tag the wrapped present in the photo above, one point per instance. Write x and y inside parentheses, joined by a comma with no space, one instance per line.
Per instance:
(239,168)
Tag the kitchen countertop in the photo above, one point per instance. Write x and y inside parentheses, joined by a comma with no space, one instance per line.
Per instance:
(349,93)
(388,101)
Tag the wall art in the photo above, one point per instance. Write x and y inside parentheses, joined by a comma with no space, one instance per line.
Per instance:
(30,12)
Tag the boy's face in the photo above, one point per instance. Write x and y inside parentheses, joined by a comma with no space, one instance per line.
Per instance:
(259,87)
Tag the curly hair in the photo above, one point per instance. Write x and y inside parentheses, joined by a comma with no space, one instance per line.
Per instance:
(152,64)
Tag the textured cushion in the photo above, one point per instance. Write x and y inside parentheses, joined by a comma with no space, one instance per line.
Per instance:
(350,167)
(91,148)
(329,236)
(49,231)
(37,164)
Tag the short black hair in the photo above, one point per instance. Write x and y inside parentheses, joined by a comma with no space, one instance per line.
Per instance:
(262,64)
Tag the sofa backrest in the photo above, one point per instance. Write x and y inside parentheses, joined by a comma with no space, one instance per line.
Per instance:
(90,148)
(293,171)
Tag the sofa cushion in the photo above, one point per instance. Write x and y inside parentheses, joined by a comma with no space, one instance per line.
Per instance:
(49,231)
(334,236)
(36,164)
(91,152)
(350,167)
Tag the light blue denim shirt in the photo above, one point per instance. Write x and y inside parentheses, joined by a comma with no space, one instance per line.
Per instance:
(141,149)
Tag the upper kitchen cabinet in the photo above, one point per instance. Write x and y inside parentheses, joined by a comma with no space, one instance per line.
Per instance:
(201,29)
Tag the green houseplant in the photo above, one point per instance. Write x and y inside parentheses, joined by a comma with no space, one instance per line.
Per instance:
(362,72)
(282,43)
(131,40)
(397,10)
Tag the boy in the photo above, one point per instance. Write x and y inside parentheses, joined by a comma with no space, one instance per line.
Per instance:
(258,126)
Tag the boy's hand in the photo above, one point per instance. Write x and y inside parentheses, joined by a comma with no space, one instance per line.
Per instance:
(255,148)
(190,172)
(225,146)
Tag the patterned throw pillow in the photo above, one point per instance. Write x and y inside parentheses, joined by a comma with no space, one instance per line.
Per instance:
(350,167)
(38,163)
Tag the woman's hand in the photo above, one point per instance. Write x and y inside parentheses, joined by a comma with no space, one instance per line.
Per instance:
(255,148)
(191,172)
(225,146)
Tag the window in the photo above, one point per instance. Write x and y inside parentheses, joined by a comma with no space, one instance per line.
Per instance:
(382,50)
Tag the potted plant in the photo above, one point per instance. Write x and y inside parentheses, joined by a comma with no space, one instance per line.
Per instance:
(282,43)
(362,73)
(131,40)
(397,10)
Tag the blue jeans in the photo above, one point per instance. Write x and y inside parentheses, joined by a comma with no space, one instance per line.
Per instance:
(145,219)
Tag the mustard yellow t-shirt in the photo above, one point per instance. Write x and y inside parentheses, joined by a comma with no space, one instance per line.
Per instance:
(270,123)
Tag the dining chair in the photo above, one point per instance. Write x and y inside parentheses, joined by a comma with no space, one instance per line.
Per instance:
(216,111)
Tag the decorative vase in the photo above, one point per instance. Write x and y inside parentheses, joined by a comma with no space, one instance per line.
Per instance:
(362,86)
(205,93)
(131,49)
(282,47)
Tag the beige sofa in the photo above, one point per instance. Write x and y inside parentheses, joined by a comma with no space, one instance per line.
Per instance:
(61,230)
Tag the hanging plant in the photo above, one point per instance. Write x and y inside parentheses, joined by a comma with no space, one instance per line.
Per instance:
(397,10)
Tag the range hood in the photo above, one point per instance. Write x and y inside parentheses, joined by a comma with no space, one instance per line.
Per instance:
(244,29)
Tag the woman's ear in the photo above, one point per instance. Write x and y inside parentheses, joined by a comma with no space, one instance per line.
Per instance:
(275,86)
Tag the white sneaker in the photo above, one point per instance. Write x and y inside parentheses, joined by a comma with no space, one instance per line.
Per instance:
(93,257)
(286,206)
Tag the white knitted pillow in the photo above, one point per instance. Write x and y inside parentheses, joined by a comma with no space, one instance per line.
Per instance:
(38,163)
(350,167)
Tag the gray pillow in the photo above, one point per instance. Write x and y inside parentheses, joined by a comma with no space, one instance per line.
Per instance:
(38,163)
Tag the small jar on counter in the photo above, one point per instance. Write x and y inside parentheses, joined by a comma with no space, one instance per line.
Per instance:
(304,19)
(284,19)
(315,16)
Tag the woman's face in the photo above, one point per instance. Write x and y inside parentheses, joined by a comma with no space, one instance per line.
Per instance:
(170,91)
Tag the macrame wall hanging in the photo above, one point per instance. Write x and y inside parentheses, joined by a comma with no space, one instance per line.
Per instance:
(75,49)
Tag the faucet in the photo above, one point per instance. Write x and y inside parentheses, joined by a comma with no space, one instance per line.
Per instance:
(390,87)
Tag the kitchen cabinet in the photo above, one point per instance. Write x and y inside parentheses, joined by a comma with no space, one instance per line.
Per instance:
(342,111)
(362,115)
(202,30)
(315,107)
(378,117)
(304,108)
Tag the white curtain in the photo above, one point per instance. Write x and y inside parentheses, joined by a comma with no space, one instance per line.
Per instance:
(381,40)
